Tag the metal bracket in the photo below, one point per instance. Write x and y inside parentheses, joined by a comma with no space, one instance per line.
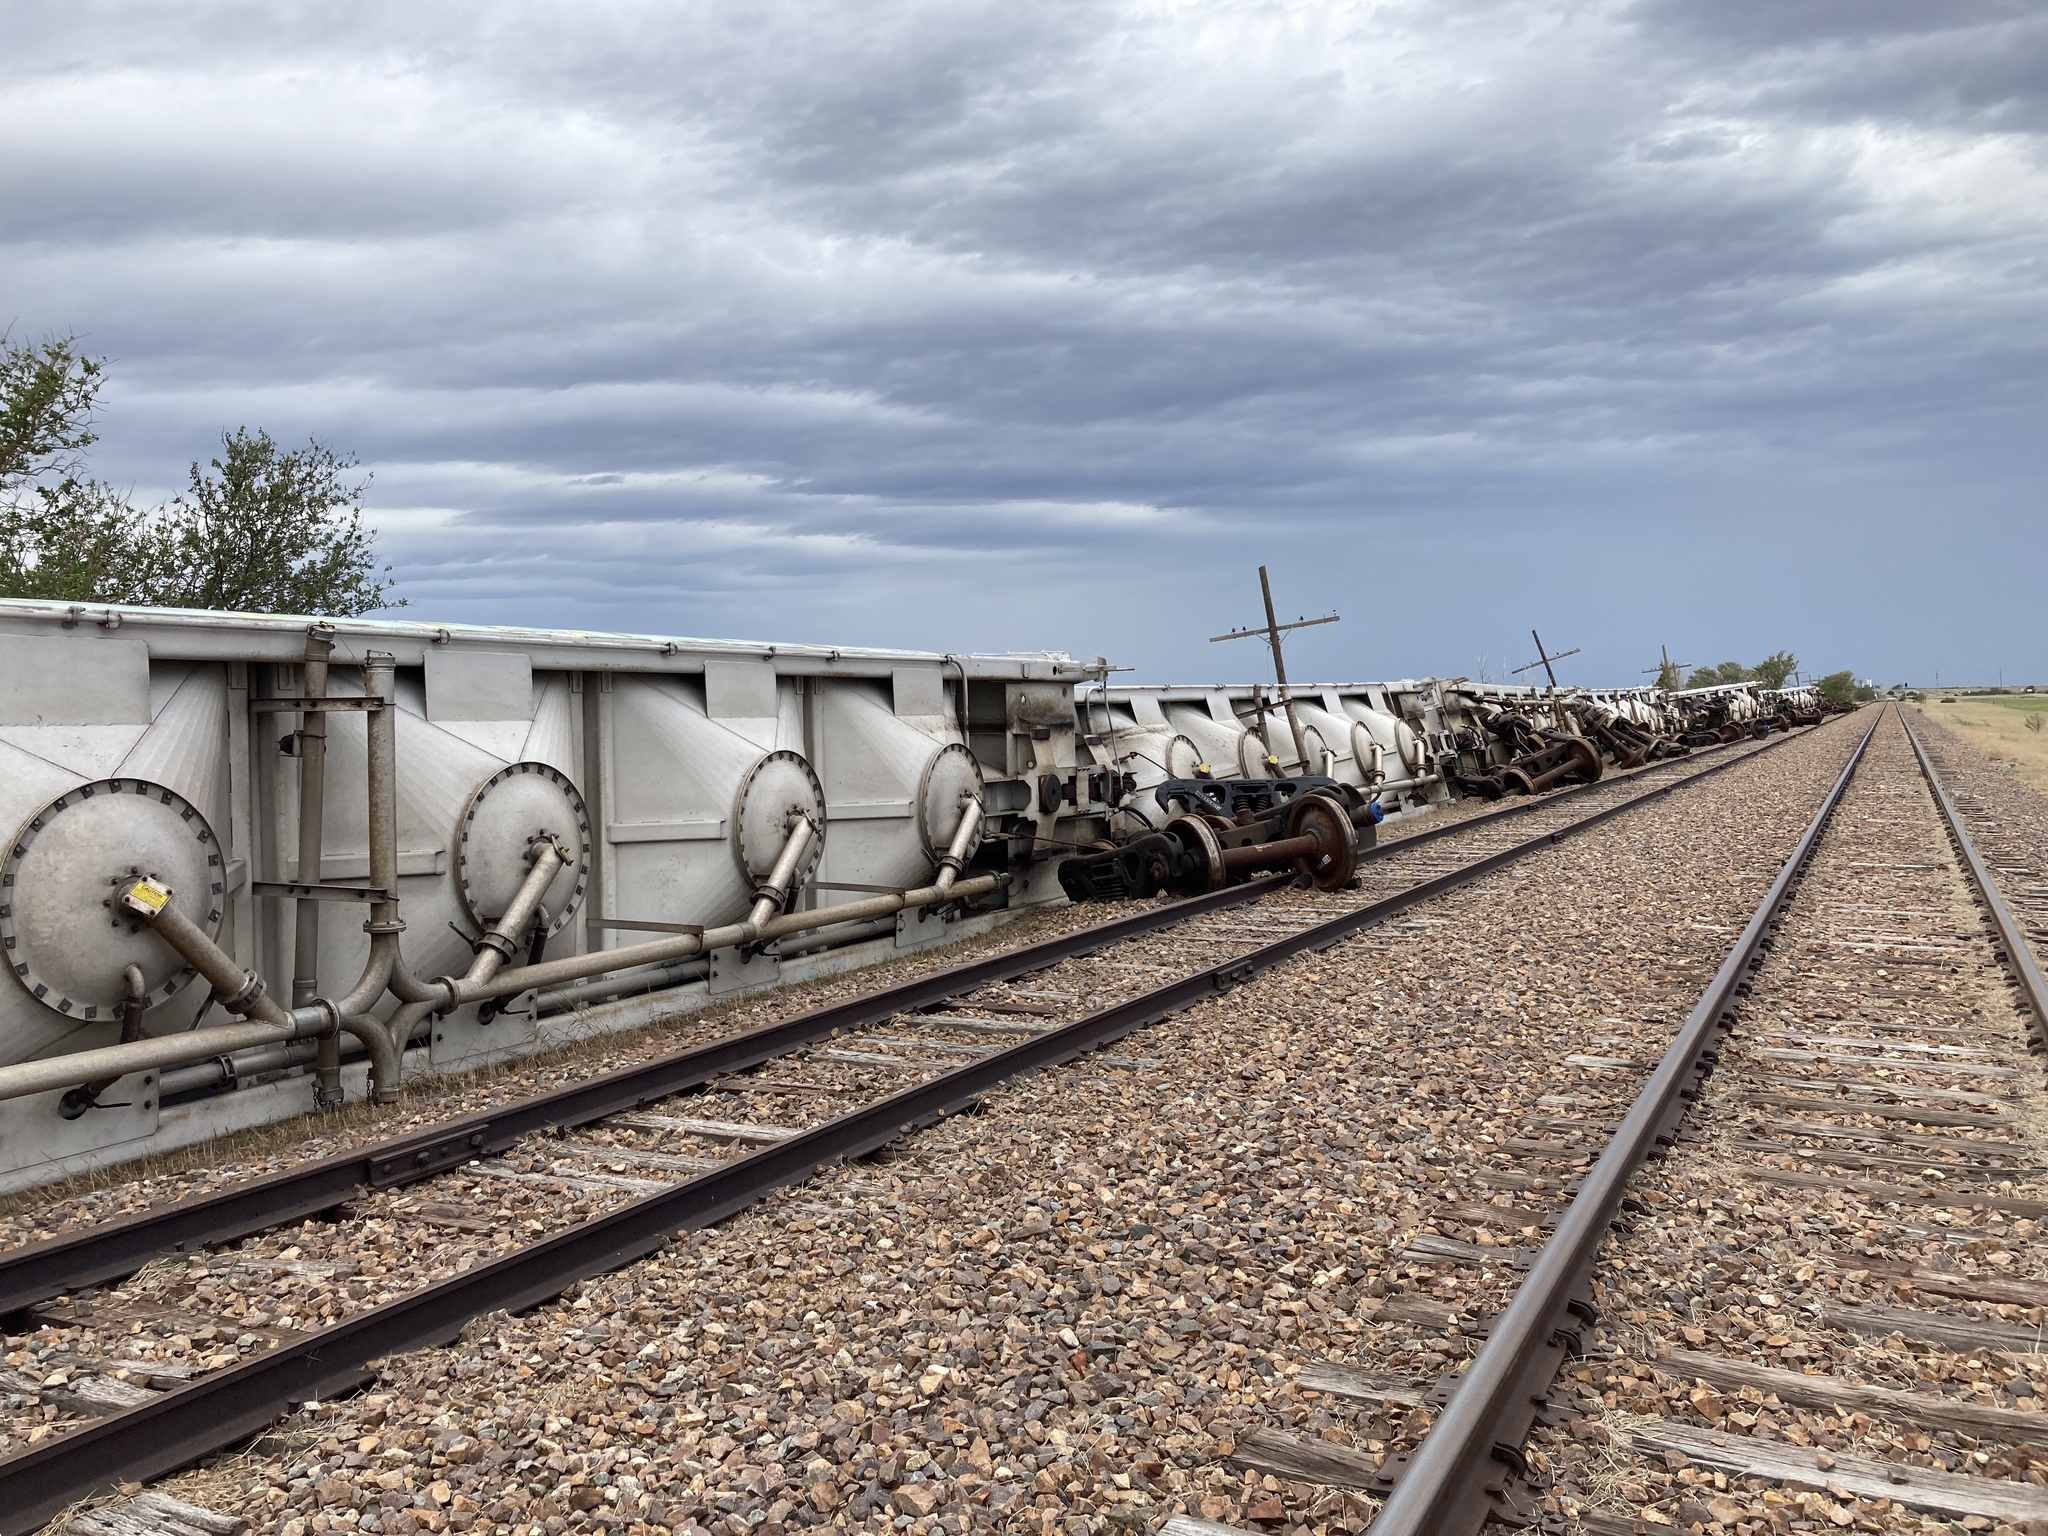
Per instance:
(367,704)
(642,925)
(290,892)
(1507,1496)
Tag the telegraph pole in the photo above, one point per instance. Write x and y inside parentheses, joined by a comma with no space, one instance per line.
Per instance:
(1675,667)
(1544,659)
(1273,630)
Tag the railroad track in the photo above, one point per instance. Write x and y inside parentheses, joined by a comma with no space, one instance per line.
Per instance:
(637,1170)
(1821,1299)
(2002,853)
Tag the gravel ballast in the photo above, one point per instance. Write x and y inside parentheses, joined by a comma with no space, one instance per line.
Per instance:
(1064,1311)
(1879,1069)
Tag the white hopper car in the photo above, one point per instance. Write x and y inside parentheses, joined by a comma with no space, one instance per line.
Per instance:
(667,775)
(525,836)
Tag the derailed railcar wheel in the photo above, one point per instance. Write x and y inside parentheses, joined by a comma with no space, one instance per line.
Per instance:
(1201,868)
(1335,859)
(1587,756)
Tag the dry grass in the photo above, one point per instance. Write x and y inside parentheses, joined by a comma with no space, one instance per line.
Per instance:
(1997,726)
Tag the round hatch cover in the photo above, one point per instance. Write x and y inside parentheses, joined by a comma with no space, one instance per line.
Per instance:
(509,809)
(63,939)
(780,786)
(951,779)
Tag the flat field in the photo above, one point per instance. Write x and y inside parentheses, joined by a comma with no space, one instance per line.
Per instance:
(1996,724)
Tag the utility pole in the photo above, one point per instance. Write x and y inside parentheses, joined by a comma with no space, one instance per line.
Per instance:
(1668,665)
(1544,660)
(1273,630)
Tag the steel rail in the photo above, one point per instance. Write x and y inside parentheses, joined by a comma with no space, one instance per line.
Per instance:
(216,1410)
(2011,938)
(71,1261)
(1458,1470)
(110,1250)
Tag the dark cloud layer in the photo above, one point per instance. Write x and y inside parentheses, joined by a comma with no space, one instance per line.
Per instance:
(994,326)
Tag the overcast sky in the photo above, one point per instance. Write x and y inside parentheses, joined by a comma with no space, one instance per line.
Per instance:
(1709,323)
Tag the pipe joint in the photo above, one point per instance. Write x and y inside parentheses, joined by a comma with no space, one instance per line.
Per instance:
(965,836)
(244,1001)
(443,996)
(386,1055)
(497,942)
(318,1020)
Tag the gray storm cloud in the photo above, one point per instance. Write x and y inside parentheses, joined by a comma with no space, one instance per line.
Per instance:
(992,326)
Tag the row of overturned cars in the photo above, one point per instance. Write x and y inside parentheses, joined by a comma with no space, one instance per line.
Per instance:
(262,863)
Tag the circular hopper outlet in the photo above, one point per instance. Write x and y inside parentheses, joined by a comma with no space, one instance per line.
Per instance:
(776,790)
(64,940)
(508,811)
(951,779)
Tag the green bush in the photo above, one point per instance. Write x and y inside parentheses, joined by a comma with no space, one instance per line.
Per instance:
(1838,688)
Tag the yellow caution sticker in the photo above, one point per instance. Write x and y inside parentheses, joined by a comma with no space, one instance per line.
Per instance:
(148,897)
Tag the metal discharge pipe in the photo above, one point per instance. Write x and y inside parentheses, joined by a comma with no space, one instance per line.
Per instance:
(86,1095)
(769,898)
(236,1066)
(312,746)
(576,967)
(1395,786)
(239,991)
(630,983)
(500,942)
(838,933)
(242,992)
(955,858)
(384,925)
(835,928)
(117,1061)
(476,989)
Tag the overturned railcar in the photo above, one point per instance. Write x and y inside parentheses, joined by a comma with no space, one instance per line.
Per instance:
(1392,739)
(260,863)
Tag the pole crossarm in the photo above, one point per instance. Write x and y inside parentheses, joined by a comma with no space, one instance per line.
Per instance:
(1553,656)
(1263,631)
(1544,659)
(1667,664)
